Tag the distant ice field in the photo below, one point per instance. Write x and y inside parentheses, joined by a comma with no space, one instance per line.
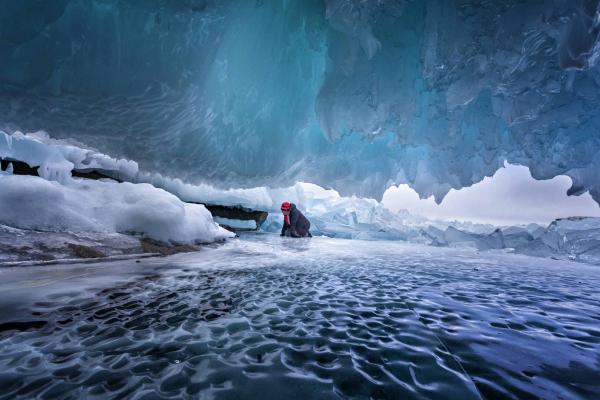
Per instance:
(271,318)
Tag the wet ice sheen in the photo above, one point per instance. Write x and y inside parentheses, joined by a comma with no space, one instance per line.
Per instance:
(266,317)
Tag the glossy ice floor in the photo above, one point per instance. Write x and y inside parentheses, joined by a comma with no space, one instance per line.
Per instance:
(276,318)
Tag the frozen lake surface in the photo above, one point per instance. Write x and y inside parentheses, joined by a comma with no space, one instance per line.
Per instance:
(275,318)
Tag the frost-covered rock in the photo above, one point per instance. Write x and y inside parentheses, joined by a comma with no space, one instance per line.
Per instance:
(56,159)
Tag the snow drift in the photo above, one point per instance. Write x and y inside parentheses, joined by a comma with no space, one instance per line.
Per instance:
(30,202)
(57,202)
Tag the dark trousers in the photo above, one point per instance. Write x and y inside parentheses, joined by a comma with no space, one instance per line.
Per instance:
(300,232)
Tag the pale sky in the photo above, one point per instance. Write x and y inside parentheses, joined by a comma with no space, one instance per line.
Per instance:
(511,196)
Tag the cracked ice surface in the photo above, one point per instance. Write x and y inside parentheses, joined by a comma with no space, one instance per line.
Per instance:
(271,317)
(354,95)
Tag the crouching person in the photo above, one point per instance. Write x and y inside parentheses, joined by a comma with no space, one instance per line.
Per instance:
(295,224)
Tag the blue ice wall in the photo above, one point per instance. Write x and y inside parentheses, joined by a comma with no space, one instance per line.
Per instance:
(354,95)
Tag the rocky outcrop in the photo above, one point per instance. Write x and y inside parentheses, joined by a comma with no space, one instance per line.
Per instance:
(18,167)
(93,174)
(237,213)
(82,251)
(152,246)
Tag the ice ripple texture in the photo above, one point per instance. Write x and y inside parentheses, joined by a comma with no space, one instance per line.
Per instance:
(265,317)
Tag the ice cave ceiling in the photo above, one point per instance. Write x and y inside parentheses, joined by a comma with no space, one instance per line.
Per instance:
(354,95)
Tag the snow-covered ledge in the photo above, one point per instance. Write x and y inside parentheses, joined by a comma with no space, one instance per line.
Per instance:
(57,202)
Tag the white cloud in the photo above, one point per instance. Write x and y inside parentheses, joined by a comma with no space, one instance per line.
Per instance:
(511,196)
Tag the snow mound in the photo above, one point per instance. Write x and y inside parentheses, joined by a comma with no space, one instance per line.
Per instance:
(57,202)
(29,202)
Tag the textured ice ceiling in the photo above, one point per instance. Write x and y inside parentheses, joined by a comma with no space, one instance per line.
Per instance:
(354,95)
